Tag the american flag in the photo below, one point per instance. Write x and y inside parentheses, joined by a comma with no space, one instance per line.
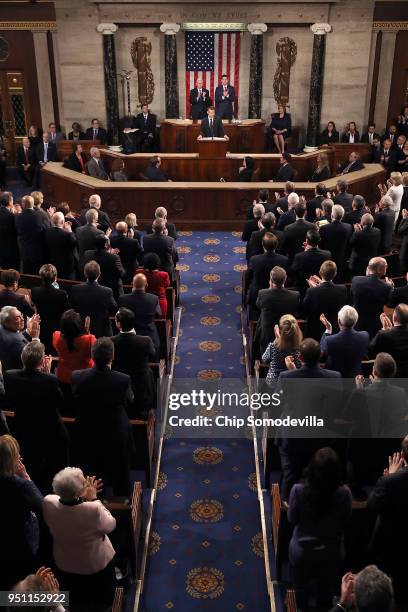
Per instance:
(209,55)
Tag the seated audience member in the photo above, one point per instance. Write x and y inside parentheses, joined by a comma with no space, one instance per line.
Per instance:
(26,161)
(336,235)
(288,217)
(78,159)
(61,246)
(129,250)
(95,203)
(9,296)
(95,166)
(329,134)
(73,344)
(345,350)
(342,196)
(402,230)
(273,303)
(131,221)
(79,524)
(388,502)
(246,170)
(101,399)
(157,280)
(86,235)
(54,134)
(112,270)
(288,337)
(351,134)
(45,150)
(308,262)
(145,307)
(161,213)
(368,591)
(163,246)
(390,134)
(36,398)
(93,300)
(319,510)
(260,266)
(352,165)
(395,192)
(384,220)
(364,243)
(21,507)
(254,245)
(358,207)
(14,336)
(393,339)
(50,302)
(153,171)
(370,135)
(132,355)
(388,156)
(9,253)
(252,225)
(322,171)
(402,158)
(294,235)
(286,171)
(77,133)
(145,122)
(30,232)
(281,127)
(95,132)
(323,297)
(370,293)
(316,202)
(263,198)
(118,170)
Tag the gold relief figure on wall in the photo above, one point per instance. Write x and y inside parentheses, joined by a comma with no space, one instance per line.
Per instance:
(286,50)
(140,52)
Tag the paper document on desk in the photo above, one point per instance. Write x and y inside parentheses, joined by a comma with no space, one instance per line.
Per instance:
(130,130)
(215,138)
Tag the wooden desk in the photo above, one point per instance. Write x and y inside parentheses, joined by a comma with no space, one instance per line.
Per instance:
(191,205)
(180,135)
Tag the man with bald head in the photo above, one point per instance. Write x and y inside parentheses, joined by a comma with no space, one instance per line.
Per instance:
(163,246)
(199,100)
(30,232)
(129,250)
(61,246)
(145,307)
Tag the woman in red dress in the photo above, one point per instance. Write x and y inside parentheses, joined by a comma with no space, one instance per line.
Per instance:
(157,281)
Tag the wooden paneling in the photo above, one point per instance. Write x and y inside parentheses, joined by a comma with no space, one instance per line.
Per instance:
(399,81)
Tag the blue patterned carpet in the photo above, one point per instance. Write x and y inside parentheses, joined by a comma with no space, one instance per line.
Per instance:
(206,548)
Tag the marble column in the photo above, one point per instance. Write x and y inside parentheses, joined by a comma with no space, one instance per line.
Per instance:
(316,84)
(111,86)
(170,69)
(255,69)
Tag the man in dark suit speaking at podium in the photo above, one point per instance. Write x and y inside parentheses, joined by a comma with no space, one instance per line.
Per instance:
(211,126)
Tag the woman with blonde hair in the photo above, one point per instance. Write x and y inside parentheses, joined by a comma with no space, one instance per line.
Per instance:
(21,504)
(395,191)
(132,224)
(322,171)
(288,337)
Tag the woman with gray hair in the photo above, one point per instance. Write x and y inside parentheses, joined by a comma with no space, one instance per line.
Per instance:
(79,524)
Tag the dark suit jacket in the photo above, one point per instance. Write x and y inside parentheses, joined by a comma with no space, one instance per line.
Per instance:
(259,270)
(82,136)
(164,247)
(326,298)
(52,153)
(50,303)
(97,302)
(335,236)
(30,230)
(148,127)
(384,221)
(155,174)
(353,216)
(224,108)
(74,164)
(250,226)
(402,231)
(20,157)
(365,137)
(171,229)
(294,236)
(146,308)
(364,245)
(198,108)
(370,294)
(112,270)
(357,165)
(102,135)
(12,298)
(285,173)
(274,303)
(86,240)
(345,137)
(388,159)
(218,128)
(132,356)
(62,250)
(395,342)
(130,253)
(254,245)
(325,138)
(345,351)
(306,264)
(104,221)
(375,154)
(344,199)
(287,218)
(399,296)
(11,345)
(311,207)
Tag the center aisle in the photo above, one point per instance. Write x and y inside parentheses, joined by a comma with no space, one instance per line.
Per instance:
(206,550)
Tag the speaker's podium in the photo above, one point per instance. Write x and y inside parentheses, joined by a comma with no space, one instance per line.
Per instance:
(209,148)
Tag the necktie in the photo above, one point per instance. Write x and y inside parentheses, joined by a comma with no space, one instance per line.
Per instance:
(211,124)
(199,92)
(371,138)
(26,155)
(46,151)
(95,134)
